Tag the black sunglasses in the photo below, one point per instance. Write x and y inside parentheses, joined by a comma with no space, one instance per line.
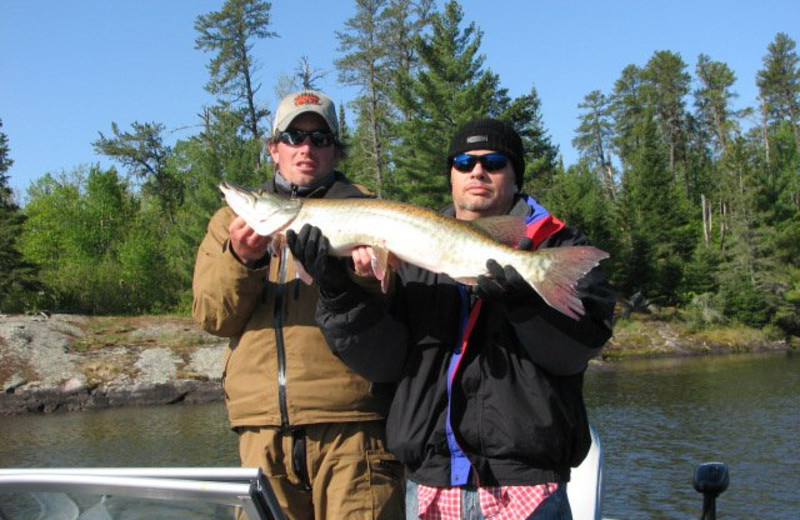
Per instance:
(491,162)
(319,138)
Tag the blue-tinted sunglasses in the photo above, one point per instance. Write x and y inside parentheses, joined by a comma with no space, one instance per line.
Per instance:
(319,138)
(491,162)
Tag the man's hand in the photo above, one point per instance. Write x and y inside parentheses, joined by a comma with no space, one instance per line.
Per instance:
(363,258)
(247,245)
(505,285)
(310,248)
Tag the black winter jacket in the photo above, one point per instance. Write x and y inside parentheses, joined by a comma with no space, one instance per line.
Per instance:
(517,407)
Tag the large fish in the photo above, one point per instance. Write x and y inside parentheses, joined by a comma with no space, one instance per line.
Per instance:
(424,238)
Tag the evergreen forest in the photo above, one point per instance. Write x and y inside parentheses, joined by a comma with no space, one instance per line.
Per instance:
(698,203)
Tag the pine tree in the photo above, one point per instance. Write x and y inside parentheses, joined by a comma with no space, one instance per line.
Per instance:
(593,139)
(402,22)
(667,84)
(779,82)
(659,235)
(541,155)
(18,282)
(143,152)
(627,107)
(713,100)
(229,33)
(364,65)
(450,88)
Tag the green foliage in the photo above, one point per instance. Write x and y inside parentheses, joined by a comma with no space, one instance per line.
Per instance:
(143,152)
(96,247)
(220,153)
(577,197)
(525,114)
(713,100)
(450,88)
(365,65)
(699,272)
(18,277)
(666,85)
(779,80)
(787,314)
(746,304)
(655,214)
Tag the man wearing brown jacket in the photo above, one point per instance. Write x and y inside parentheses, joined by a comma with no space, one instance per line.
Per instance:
(313,425)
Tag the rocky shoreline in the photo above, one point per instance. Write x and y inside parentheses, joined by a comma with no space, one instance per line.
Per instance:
(68,363)
(64,362)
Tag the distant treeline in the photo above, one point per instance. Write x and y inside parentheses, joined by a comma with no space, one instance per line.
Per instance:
(699,210)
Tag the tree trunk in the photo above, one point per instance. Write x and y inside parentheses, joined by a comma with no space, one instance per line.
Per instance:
(764,133)
(704,207)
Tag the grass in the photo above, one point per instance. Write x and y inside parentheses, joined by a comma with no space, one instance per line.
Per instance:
(668,335)
(176,333)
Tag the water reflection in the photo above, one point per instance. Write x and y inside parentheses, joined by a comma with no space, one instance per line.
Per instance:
(660,418)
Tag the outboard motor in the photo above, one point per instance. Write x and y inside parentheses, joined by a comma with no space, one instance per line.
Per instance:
(711,479)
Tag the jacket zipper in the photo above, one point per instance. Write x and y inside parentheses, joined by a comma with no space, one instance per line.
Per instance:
(280,292)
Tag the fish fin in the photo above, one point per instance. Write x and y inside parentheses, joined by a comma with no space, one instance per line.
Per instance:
(563,267)
(508,229)
(379,261)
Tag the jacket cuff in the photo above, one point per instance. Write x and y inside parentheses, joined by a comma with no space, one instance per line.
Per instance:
(343,301)
(252,265)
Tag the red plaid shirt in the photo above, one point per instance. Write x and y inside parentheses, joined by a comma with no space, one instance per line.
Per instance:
(497,503)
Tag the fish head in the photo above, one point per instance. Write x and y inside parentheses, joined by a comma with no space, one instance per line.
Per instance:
(265,212)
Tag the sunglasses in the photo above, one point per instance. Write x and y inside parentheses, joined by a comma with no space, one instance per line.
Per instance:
(491,162)
(319,138)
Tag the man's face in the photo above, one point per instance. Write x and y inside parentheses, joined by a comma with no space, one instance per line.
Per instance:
(304,163)
(481,193)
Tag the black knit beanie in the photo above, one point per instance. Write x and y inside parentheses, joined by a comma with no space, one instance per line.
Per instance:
(489,134)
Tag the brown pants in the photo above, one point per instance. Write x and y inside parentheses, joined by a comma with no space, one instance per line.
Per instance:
(348,472)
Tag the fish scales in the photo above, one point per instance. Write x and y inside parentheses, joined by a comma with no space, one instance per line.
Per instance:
(421,237)
(415,235)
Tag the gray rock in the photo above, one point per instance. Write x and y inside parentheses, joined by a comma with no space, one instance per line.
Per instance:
(41,372)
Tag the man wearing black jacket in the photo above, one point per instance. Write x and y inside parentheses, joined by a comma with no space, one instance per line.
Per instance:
(488,414)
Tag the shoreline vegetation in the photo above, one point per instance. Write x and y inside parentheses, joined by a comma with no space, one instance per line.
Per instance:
(63,362)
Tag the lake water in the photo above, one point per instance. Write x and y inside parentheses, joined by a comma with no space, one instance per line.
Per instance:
(658,419)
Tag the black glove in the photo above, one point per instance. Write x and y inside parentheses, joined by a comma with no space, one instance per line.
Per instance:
(310,248)
(505,285)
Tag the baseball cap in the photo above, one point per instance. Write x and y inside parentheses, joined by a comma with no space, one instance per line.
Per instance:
(304,101)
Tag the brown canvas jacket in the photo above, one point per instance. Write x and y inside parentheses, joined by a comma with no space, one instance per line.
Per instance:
(271,325)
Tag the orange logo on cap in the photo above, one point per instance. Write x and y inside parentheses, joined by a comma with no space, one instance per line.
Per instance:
(306,99)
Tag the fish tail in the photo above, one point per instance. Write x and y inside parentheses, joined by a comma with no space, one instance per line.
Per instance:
(555,272)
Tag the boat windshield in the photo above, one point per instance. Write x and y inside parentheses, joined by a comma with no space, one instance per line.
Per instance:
(111,493)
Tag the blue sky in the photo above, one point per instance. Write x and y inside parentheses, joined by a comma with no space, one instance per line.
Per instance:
(68,69)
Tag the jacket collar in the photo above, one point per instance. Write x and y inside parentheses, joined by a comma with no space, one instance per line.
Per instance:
(279,184)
